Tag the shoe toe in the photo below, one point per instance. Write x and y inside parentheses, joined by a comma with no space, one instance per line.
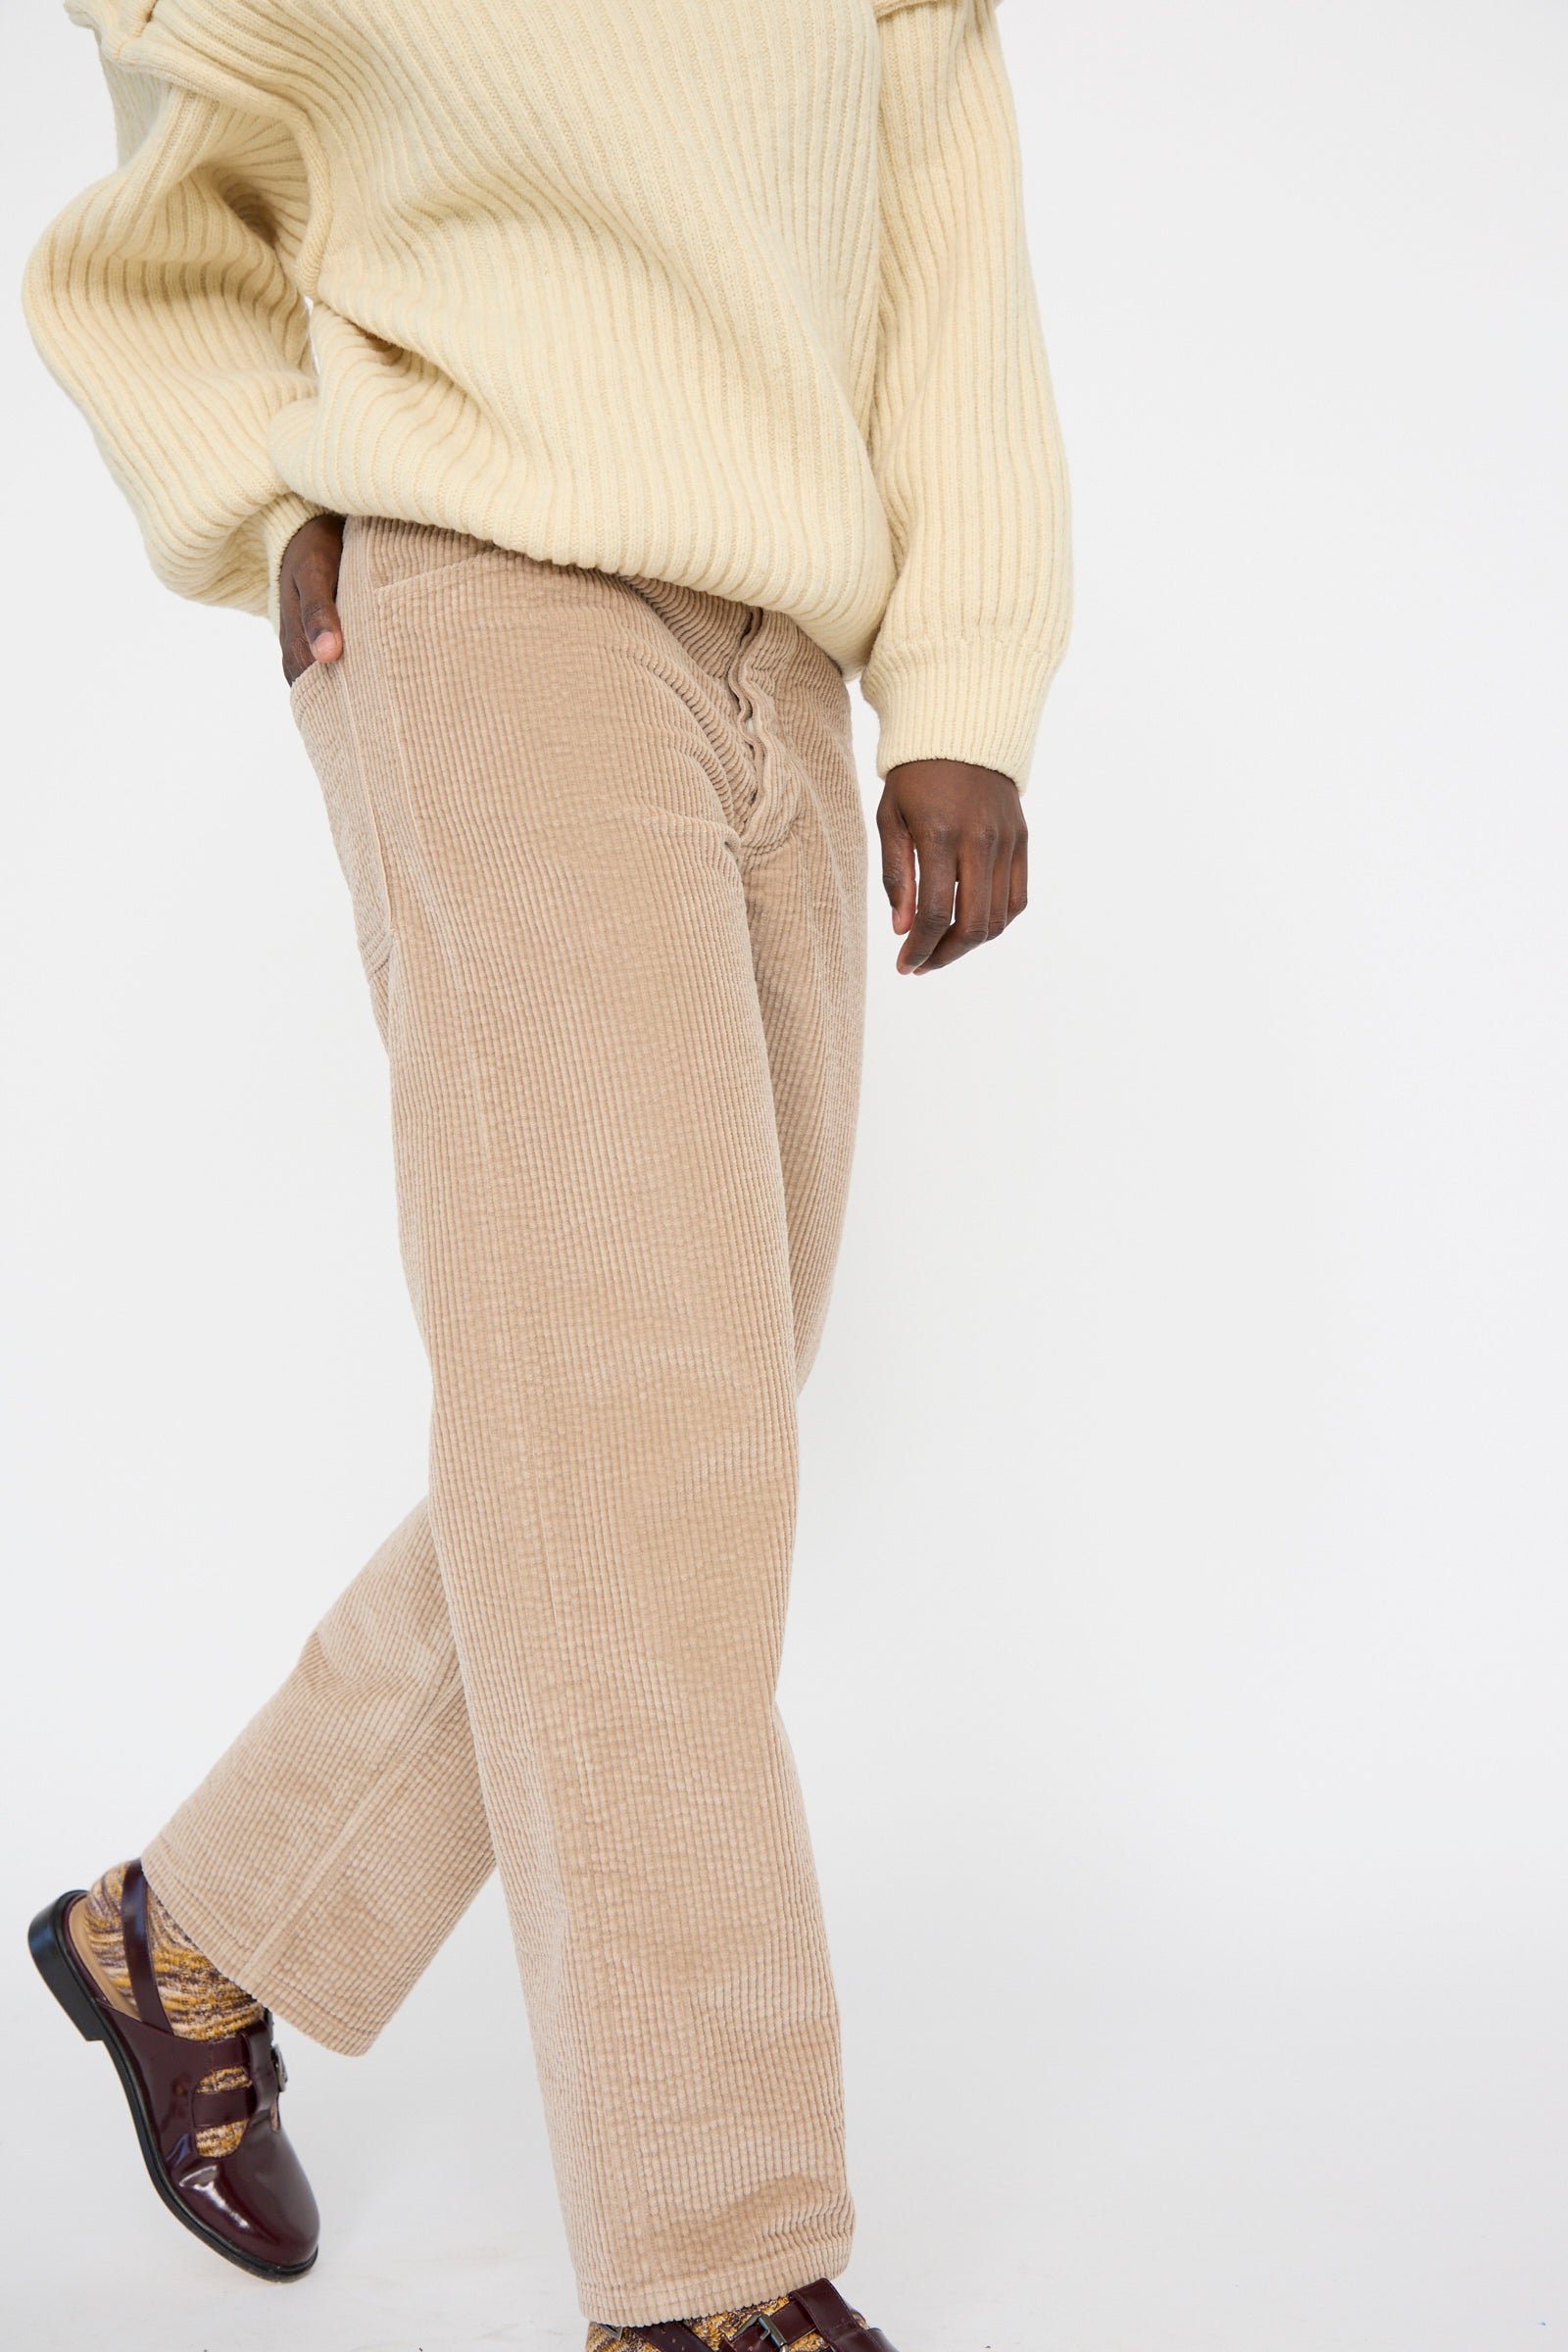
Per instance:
(256,2199)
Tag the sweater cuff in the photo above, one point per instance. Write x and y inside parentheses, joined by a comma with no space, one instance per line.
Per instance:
(278,523)
(969,699)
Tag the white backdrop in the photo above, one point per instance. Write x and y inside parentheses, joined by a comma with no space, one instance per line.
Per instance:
(1178,1662)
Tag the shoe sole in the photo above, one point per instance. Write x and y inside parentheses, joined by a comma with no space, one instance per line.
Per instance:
(49,1943)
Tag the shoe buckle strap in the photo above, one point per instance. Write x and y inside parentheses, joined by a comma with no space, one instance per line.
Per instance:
(776,2328)
(743,2340)
(136,1941)
(236,2105)
(261,2051)
(669,2335)
(827,2311)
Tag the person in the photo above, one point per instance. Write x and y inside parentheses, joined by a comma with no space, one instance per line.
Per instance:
(586,391)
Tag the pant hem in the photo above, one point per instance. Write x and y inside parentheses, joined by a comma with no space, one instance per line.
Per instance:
(699,2294)
(300,2010)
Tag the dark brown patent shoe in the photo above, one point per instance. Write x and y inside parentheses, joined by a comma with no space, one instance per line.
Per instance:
(817,2310)
(253,2205)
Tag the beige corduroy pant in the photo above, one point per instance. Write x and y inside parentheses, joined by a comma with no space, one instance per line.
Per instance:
(607,861)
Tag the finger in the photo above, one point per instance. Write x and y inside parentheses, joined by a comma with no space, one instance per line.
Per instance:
(1018,881)
(898,864)
(1002,889)
(316,580)
(1010,882)
(933,903)
(971,917)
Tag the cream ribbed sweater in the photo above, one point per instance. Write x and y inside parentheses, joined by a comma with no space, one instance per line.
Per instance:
(732,293)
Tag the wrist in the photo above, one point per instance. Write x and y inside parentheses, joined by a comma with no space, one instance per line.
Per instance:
(958,772)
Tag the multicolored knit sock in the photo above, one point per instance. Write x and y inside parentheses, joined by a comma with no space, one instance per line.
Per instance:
(716,2330)
(200,2002)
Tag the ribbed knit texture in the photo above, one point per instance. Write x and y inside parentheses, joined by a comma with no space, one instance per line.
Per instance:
(608,862)
(729,293)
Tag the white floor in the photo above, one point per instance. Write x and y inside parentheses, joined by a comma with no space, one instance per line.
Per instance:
(1063,2143)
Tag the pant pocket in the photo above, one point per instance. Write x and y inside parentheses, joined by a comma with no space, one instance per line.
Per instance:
(323,713)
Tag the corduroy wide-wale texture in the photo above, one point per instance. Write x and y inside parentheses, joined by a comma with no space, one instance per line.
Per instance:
(729,293)
(607,865)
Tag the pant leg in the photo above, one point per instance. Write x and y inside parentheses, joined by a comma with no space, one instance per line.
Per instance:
(609,873)
(337,1841)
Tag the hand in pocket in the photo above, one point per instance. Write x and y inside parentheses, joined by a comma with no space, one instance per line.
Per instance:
(309,628)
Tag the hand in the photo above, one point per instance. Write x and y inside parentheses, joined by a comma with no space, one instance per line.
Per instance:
(308,626)
(964,827)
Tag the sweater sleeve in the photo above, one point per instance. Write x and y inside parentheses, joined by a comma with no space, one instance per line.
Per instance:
(163,302)
(965,438)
